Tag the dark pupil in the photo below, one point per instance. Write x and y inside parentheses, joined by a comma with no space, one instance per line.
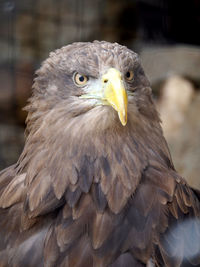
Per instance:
(128,74)
(81,78)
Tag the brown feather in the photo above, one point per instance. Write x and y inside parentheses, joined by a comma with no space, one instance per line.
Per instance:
(101,229)
(87,191)
(13,192)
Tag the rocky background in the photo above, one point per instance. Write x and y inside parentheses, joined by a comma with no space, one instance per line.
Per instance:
(164,34)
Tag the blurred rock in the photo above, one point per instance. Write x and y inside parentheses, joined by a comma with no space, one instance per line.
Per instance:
(179,107)
(185,148)
(160,62)
(176,97)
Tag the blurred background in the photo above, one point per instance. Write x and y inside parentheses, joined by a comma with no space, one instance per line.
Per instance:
(164,32)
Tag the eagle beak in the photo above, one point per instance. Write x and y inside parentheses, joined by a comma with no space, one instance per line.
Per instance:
(115,94)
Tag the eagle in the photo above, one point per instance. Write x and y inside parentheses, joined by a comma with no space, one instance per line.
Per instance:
(95,185)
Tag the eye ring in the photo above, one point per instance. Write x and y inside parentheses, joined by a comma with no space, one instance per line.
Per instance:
(129,75)
(80,79)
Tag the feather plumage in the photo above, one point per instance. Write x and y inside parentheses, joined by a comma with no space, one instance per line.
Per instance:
(87,191)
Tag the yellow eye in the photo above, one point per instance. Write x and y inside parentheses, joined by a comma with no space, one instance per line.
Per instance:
(80,79)
(129,75)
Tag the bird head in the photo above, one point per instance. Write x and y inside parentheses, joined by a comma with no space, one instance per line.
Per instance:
(95,78)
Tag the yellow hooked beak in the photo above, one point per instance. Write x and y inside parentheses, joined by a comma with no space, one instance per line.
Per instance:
(115,94)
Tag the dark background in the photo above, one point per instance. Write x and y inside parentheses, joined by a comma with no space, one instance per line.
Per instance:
(165,33)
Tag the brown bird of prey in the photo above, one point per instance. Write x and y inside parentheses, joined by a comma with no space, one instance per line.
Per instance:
(95,184)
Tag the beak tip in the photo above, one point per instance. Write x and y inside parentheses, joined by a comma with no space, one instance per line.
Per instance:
(124,123)
(123,120)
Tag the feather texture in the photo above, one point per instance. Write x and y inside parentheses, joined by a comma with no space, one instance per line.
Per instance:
(87,191)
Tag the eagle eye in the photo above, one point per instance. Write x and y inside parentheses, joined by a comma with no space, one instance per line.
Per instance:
(129,75)
(80,79)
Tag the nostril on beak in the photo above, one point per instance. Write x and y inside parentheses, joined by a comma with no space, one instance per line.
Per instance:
(105,80)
